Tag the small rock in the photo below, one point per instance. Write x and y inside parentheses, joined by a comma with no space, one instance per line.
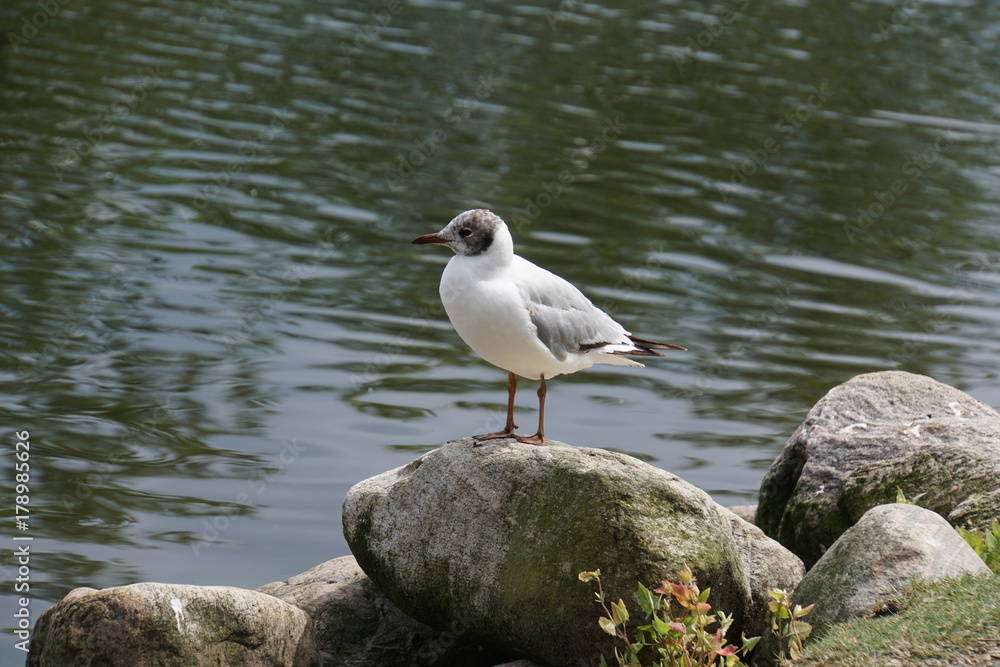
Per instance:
(872,562)
(357,625)
(151,624)
(874,434)
(491,538)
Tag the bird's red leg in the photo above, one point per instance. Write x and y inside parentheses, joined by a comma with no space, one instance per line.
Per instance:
(538,438)
(508,429)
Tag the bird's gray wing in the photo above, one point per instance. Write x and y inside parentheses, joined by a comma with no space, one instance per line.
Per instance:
(566,321)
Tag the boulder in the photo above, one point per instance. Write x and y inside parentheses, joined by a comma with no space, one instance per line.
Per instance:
(491,538)
(746,512)
(357,625)
(867,437)
(168,624)
(866,570)
(766,565)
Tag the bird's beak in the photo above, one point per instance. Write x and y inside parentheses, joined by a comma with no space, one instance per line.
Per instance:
(429,238)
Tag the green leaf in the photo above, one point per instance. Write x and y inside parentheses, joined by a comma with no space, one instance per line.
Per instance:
(801,611)
(607,625)
(992,537)
(619,613)
(647,601)
(974,540)
(660,626)
(724,622)
(802,628)
(901,497)
(749,643)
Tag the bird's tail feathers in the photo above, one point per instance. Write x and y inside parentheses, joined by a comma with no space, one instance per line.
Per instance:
(648,348)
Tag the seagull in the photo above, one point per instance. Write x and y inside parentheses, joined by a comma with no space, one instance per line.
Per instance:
(522,318)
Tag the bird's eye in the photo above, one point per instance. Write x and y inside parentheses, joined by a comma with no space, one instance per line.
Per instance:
(465,231)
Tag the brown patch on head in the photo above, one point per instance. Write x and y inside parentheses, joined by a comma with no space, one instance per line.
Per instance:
(473,231)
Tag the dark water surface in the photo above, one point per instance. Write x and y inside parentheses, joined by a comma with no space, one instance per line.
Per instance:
(213,324)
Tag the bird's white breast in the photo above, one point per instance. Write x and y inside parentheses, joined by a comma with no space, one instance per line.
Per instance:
(490,314)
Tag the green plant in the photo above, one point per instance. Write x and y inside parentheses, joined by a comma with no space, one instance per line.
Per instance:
(902,499)
(785,623)
(986,544)
(679,631)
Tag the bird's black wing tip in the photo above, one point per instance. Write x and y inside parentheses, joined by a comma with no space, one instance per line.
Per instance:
(649,345)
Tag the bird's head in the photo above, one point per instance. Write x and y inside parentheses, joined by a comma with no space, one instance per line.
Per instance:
(470,233)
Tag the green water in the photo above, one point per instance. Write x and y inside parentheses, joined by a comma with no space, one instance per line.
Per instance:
(214,324)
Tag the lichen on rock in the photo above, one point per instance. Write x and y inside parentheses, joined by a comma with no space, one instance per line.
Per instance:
(172,624)
(492,537)
(870,436)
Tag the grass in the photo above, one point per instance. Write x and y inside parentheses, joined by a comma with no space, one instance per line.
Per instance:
(949,622)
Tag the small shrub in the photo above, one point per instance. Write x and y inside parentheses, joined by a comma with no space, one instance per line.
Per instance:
(685,635)
(986,544)
(785,624)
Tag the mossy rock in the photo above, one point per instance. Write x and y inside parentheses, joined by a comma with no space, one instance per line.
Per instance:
(870,436)
(491,538)
(173,624)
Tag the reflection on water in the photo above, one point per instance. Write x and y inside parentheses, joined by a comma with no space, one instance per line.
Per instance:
(213,323)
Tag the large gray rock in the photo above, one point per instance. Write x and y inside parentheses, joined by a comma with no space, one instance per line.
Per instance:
(872,562)
(746,512)
(172,625)
(492,538)
(357,625)
(867,437)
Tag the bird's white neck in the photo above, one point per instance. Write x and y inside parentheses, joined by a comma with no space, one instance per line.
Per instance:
(496,258)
